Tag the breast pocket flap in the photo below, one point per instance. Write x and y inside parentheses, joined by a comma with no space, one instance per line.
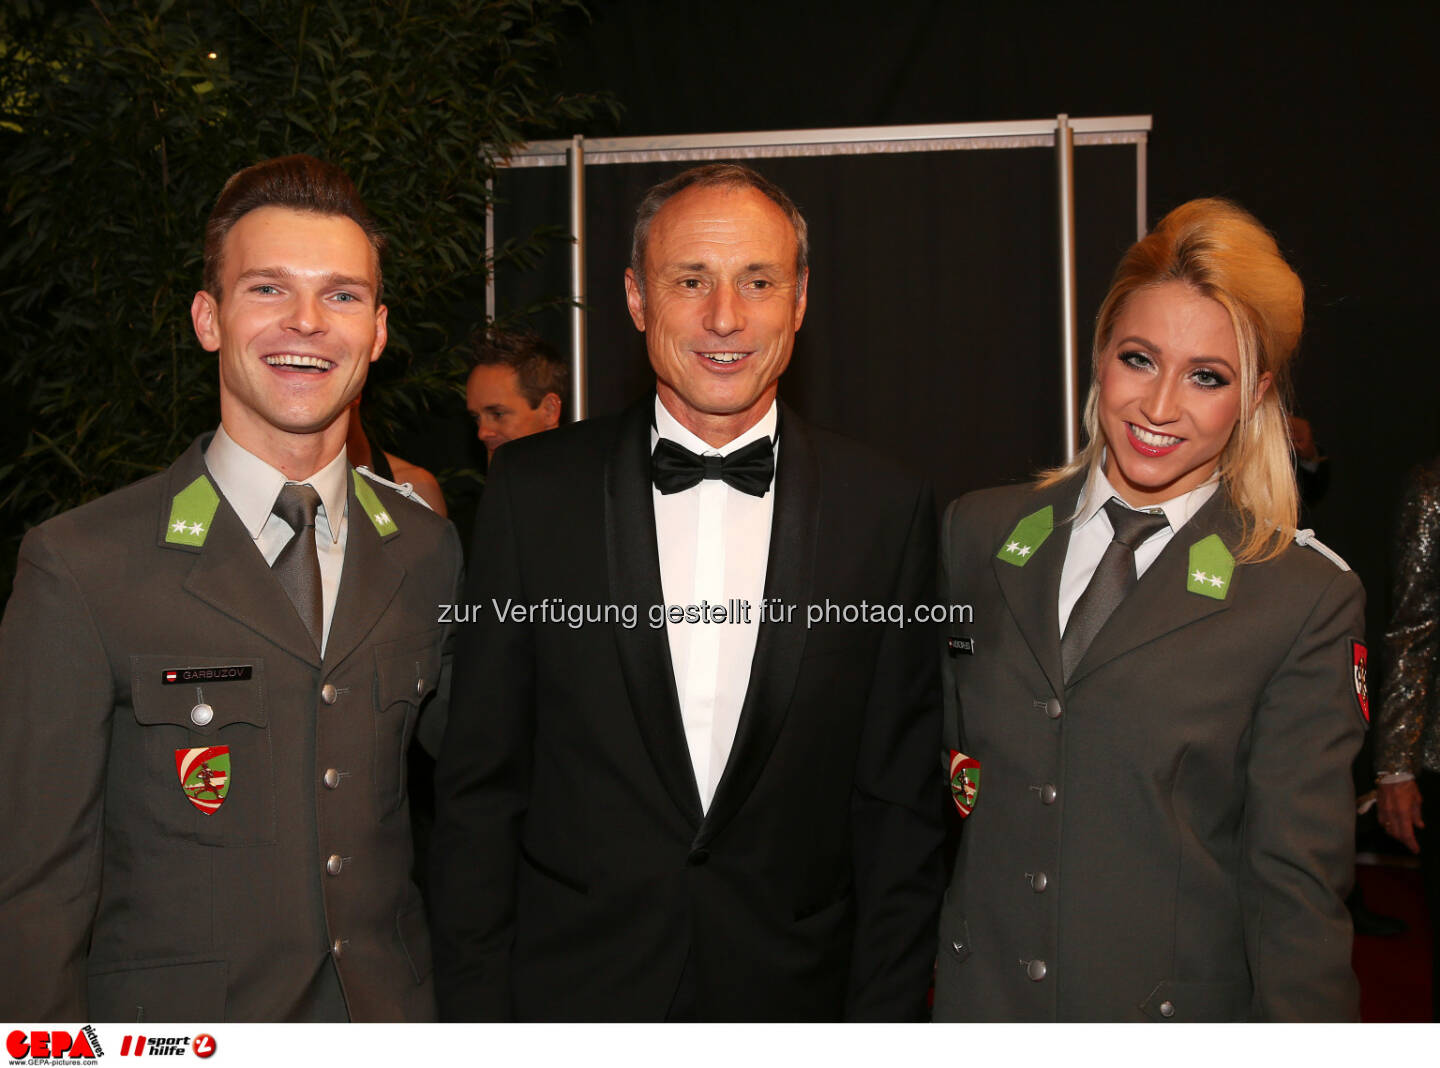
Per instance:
(407,670)
(201,694)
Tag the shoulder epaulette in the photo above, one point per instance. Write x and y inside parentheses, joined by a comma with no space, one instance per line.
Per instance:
(1029,534)
(379,515)
(191,511)
(1307,539)
(405,489)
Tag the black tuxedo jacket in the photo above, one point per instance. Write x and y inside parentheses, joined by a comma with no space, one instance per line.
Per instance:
(575,872)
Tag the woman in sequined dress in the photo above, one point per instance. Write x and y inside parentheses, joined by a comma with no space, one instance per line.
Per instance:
(1407,729)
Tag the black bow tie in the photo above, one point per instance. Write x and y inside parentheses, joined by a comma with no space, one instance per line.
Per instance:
(749,470)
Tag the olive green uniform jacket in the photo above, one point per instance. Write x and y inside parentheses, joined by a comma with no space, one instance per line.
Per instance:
(119,899)
(1169,835)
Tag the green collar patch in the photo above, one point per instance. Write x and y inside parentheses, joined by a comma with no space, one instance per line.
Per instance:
(384,525)
(191,512)
(1211,566)
(1029,534)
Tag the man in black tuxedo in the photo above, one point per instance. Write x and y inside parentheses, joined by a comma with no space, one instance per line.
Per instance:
(691,769)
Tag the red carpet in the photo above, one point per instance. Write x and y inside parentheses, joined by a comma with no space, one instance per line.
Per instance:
(1394,972)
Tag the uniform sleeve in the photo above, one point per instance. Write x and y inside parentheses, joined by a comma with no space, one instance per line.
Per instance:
(898,802)
(482,781)
(55,707)
(1412,641)
(952,736)
(1298,838)
(431,728)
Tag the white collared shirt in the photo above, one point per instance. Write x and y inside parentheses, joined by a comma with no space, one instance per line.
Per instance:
(250,485)
(1092,534)
(714,544)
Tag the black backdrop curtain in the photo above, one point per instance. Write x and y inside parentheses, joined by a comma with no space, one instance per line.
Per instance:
(1318,119)
(933,325)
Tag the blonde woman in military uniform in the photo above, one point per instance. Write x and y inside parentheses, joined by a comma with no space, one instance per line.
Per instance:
(1153,714)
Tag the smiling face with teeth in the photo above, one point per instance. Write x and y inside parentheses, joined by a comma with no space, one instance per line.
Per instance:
(297,326)
(720,306)
(1169,392)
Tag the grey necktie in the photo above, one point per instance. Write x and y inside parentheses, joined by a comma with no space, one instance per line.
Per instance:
(298,565)
(1114,578)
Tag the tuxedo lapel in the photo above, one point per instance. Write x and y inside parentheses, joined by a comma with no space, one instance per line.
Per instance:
(1032,591)
(368,581)
(229,573)
(1160,603)
(634,564)
(789,580)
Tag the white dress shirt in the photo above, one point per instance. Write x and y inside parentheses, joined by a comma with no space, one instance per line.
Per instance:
(250,485)
(714,544)
(1091,534)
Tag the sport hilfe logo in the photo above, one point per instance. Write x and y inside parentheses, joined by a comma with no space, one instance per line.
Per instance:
(53,1045)
(203,1045)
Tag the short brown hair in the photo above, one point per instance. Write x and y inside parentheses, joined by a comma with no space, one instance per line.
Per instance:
(725,176)
(300,182)
(538,367)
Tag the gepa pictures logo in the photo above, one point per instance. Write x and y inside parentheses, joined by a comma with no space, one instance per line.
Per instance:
(57,1046)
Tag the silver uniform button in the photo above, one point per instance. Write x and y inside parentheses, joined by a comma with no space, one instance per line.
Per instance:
(332,778)
(334,864)
(1036,970)
(1039,881)
(1053,708)
(1167,1009)
(328,694)
(201,714)
(1048,794)
(337,949)
(419,687)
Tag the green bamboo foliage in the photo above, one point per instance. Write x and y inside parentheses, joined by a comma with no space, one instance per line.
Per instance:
(119,122)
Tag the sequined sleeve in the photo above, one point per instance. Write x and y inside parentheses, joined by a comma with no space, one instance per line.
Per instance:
(1407,736)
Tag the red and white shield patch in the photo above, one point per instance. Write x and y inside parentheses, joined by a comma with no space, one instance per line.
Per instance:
(964,781)
(1358,658)
(204,776)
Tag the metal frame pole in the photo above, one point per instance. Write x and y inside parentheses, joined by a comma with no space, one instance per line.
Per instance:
(847,141)
(1142,203)
(1061,132)
(579,385)
(1069,377)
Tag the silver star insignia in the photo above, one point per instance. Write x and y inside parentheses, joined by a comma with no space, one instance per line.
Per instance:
(197,528)
(178,527)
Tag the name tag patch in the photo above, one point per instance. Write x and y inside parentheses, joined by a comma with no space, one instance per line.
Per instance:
(180,676)
(959,646)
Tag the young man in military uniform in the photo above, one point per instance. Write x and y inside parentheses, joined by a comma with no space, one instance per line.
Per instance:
(211,676)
